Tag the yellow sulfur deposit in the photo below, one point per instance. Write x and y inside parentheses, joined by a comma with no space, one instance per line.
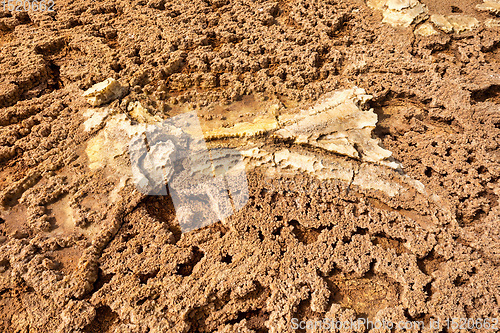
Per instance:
(259,126)
(103,92)
(140,114)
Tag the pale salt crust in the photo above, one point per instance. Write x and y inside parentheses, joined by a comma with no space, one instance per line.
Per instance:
(400,12)
(403,13)
(456,23)
(492,23)
(140,114)
(366,176)
(489,6)
(337,124)
(260,125)
(425,29)
(103,92)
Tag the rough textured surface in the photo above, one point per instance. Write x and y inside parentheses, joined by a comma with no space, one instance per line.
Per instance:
(400,12)
(81,250)
(456,23)
(337,123)
(490,6)
(425,29)
(406,13)
(103,92)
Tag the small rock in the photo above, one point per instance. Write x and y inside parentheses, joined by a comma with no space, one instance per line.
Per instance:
(140,114)
(425,29)
(400,12)
(19,234)
(489,6)
(104,92)
(492,23)
(457,23)
(49,264)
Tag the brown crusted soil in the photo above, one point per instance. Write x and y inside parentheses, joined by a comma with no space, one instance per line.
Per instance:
(77,255)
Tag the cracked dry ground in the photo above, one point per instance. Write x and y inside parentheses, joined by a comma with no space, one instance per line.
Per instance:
(81,251)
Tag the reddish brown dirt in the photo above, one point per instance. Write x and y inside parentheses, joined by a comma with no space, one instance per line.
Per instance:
(300,248)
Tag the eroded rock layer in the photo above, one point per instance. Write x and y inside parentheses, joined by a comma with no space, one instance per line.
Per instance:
(327,231)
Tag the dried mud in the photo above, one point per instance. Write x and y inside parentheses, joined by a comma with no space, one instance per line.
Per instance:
(81,250)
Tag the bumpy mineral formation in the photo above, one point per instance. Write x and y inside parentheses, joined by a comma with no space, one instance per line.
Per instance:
(364,175)
(403,13)
(322,235)
(400,12)
(259,126)
(425,29)
(103,92)
(492,23)
(456,23)
(489,6)
(337,123)
(140,114)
